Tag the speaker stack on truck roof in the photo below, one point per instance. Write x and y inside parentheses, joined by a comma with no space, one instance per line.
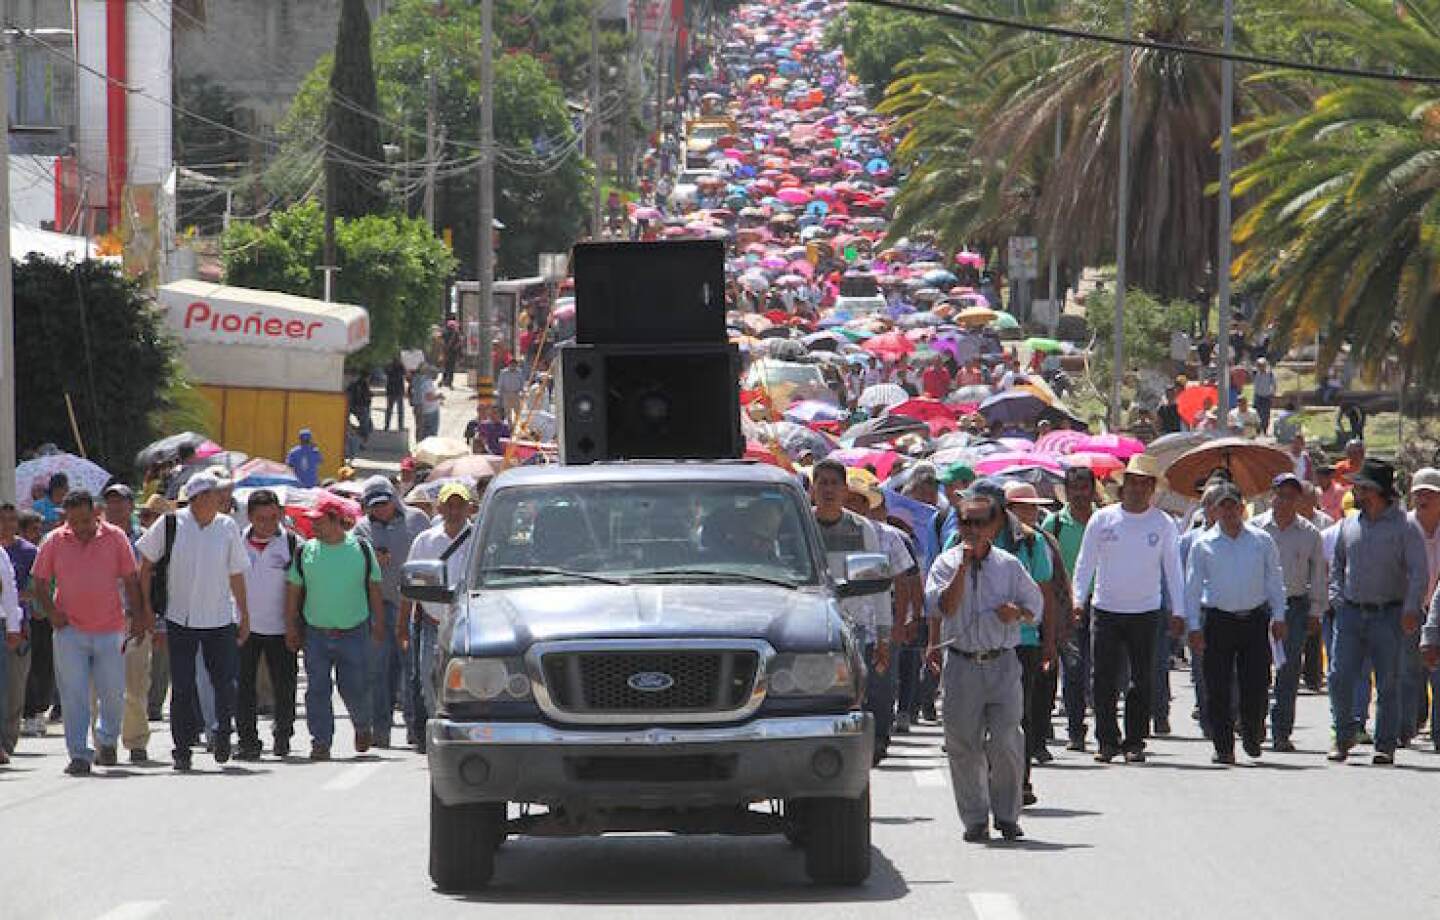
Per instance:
(652,374)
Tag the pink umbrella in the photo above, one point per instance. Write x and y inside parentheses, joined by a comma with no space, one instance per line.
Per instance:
(881,461)
(1059,442)
(1022,445)
(1116,445)
(1016,460)
(1102,465)
(793,195)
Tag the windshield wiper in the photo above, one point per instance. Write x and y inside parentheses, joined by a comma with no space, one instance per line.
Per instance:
(551,570)
(717,573)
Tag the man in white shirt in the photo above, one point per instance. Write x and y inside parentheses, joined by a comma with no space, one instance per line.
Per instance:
(269,548)
(1265,388)
(417,634)
(1425,512)
(1128,553)
(1243,420)
(206,569)
(10,616)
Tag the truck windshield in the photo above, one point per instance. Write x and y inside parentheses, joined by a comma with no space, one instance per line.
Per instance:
(645,532)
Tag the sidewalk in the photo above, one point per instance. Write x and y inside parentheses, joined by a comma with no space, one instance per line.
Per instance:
(385,450)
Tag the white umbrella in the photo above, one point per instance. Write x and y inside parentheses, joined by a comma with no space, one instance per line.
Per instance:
(82,473)
(435,449)
(882,396)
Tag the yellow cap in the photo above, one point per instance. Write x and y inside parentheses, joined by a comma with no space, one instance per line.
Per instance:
(451,489)
(863,482)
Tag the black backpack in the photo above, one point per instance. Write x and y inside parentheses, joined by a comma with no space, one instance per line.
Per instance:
(298,557)
(160,572)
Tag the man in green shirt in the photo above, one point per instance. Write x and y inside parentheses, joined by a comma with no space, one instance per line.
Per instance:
(335,580)
(1067,526)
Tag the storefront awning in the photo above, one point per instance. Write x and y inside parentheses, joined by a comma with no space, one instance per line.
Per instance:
(201,312)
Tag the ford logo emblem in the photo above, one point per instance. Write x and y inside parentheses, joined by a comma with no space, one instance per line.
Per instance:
(650,682)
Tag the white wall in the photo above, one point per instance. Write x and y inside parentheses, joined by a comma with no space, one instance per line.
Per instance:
(274,368)
(32,189)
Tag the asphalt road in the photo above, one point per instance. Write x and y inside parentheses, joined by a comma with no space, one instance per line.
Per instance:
(1176,838)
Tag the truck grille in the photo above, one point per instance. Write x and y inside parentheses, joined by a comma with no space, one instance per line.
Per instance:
(614,682)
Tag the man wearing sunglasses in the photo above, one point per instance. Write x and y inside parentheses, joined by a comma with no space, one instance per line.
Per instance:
(977,595)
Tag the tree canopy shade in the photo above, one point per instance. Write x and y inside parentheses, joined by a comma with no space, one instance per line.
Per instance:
(1344,238)
(352,135)
(876,41)
(85,331)
(392,265)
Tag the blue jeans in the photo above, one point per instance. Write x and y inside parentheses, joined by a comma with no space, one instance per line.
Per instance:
(880,695)
(385,672)
(221,657)
(1287,676)
(1378,635)
(425,634)
(1411,679)
(1161,707)
(1360,698)
(346,654)
(1075,674)
(81,658)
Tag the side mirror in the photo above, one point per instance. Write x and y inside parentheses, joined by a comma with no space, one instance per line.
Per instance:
(865,574)
(426,580)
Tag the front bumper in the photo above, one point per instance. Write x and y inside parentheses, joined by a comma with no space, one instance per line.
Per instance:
(657,767)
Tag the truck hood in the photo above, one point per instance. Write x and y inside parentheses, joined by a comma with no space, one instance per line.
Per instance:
(507,622)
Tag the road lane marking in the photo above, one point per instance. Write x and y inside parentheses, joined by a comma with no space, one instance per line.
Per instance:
(133,910)
(353,776)
(934,778)
(995,905)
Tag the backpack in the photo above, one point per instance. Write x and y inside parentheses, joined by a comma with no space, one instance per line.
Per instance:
(160,572)
(366,550)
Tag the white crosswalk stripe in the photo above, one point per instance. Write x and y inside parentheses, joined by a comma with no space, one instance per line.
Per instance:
(353,776)
(133,910)
(995,905)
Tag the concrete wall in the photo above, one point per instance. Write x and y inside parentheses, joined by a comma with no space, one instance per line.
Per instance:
(255,366)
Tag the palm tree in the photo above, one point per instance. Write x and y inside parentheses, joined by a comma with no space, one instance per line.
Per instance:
(1345,234)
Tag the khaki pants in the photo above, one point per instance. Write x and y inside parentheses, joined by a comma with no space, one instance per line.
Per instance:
(17,672)
(135,724)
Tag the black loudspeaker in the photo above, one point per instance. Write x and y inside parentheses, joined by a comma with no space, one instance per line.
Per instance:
(649,402)
(650,293)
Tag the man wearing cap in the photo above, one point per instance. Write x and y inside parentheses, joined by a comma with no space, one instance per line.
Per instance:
(205,590)
(135,725)
(304,458)
(269,550)
(1129,557)
(954,479)
(417,634)
(977,595)
(1302,562)
(1067,526)
(1378,577)
(339,578)
(76,574)
(390,527)
(1425,514)
(1234,603)
(1265,386)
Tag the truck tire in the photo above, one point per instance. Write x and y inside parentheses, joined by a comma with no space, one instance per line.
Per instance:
(462,843)
(837,840)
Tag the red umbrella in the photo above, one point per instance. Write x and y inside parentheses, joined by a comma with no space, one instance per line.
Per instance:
(1102,465)
(1193,401)
(891,346)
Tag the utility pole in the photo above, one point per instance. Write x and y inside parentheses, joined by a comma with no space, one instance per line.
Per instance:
(485,233)
(593,144)
(430,151)
(1057,303)
(1222,262)
(7,291)
(1122,233)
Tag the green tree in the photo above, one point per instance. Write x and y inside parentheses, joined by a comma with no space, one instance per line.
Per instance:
(392,265)
(1344,238)
(85,332)
(352,136)
(1149,321)
(876,41)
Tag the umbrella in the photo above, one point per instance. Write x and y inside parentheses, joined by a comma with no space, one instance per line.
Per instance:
(1252,466)
(1116,445)
(891,346)
(648,213)
(1167,447)
(975,393)
(882,395)
(797,440)
(1005,322)
(881,461)
(1192,402)
(975,316)
(927,410)
(1016,459)
(167,450)
(1059,442)
(1024,445)
(428,492)
(1013,407)
(82,473)
(259,473)
(880,430)
(472,467)
(432,451)
(1102,465)
(1042,344)
(813,410)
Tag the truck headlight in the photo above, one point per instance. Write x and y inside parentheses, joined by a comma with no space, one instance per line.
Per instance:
(486,680)
(824,674)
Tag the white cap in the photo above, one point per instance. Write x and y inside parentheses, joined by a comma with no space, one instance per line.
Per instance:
(1426,479)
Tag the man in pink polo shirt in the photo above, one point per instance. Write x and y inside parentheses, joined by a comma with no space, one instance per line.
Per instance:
(77,576)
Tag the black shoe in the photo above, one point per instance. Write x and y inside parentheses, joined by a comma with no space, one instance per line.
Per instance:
(929,713)
(1225,759)
(1383,759)
(1077,743)
(977,834)
(319,752)
(182,760)
(1162,726)
(107,756)
(139,756)
(1010,830)
(1283,746)
(1339,751)
(1252,748)
(1043,755)
(420,745)
(1107,753)
(248,751)
(1028,797)
(78,767)
(155,715)
(282,747)
(222,750)
(363,739)
(1134,756)
(1405,741)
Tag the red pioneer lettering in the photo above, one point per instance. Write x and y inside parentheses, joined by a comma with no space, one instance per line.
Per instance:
(200,315)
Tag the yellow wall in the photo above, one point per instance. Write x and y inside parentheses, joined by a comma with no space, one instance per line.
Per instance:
(266,423)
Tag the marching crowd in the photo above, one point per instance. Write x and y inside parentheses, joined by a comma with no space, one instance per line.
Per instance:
(105,605)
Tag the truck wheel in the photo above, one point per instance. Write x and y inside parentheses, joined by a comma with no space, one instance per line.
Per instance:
(837,840)
(462,843)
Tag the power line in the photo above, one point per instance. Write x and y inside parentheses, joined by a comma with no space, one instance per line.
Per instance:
(1151,45)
